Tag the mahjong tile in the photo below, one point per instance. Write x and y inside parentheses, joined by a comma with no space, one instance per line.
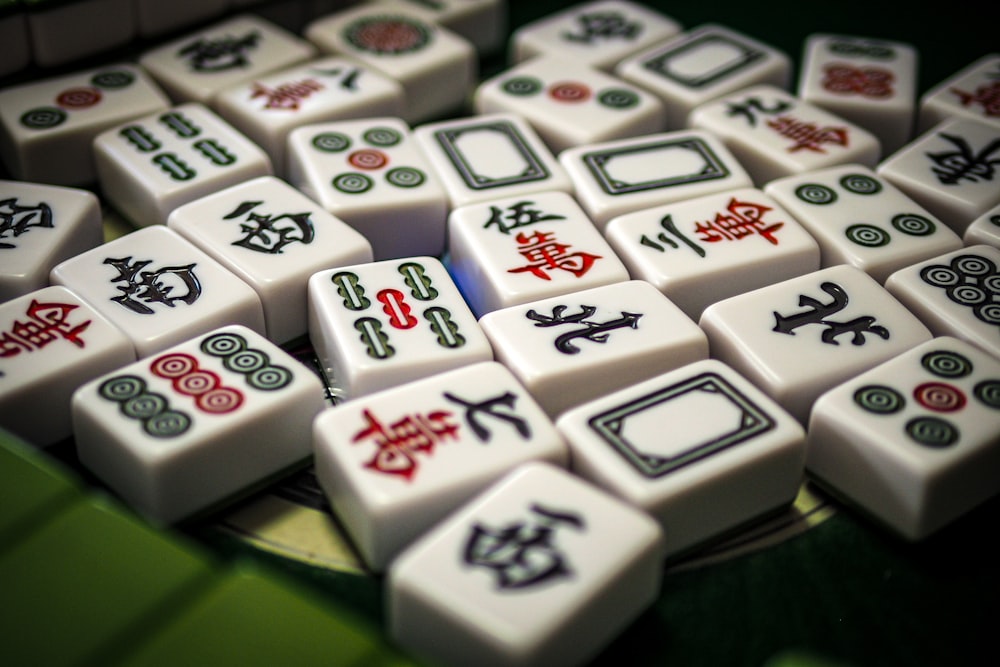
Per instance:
(860,219)
(372,174)
(490,157)
(273,237)
(154,164)
(951,170)
(155,18)
(40,226)
(703,64)
(506,252)
(573,348)
(774,134)
(51,342)
(869,82)
(482,22)
(185,429)
(699,251)
(597,34)
(617,177)
(62,33)
(394,463)
(970,93)
(570,103)
(47,126)
(195,67)
(377,325)
(956,294)
(913,442)
(159,288)
(802,336)
(266,109)
(435,66)
(733,454)
(984,230)
(540,569)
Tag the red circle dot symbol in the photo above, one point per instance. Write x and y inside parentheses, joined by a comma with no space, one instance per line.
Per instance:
(78,98)
(219,400)
(368,158)
(569,91)
(172,366)
(197,383)
(939,397)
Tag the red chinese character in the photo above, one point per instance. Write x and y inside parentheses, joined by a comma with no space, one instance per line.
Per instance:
(987,95)
(808,136)
(544,254)
(744,219)
(400,442)
(870,82)
(47,323)
(287,95)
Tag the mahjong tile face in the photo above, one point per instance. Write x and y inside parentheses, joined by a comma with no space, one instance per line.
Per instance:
(595,34)
(381,324)
(511,251)
(955,294)
(273,237)
(617,177)
(913,442)
(984,230)
(435,66)
(862,220)
(774,134)
(569,103)
(733,453)
(703,64)
(159,288)
(490,157)
(951,170)
(800,337)
(152,165)
(46,127)
(971,93)
(267,108)
(198,422)
(194,68)
(870,82)
(573,348)
(396,462)
(51,342)
(372,174)
(40,226)
(703,250)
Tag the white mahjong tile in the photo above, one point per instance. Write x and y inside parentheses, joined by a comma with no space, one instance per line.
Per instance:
(597,34)
(372,174)
(435,66)
(154,18)
(956,294)
(800,337)
(914,441)
(489,157)
(971,93)
(775,134)
(733,454)
(617,177)
(183,430)
(65,32)
(570,103)
(195,67)
(699,251)
(14,37)
(510,251)
(396,462)
(40,226)
(377,325)
(703,64)
(573,348)
(154,164)
(951,170)
(984,230)
(541,569)
(869,82)
(273,237)
(159,288)
(862,220)
(51,342)
(47,126)
(483,23)
(266,109)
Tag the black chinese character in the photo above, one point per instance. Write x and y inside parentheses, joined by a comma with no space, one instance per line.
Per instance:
(596,332)
(270,234)
(490,407)
(964,163)
(16,220)
(517,215)
(207,55)
(752,104)
(153,286)
(819,313)
(604,25)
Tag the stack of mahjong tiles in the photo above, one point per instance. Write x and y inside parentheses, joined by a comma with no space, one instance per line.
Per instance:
(572,320)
